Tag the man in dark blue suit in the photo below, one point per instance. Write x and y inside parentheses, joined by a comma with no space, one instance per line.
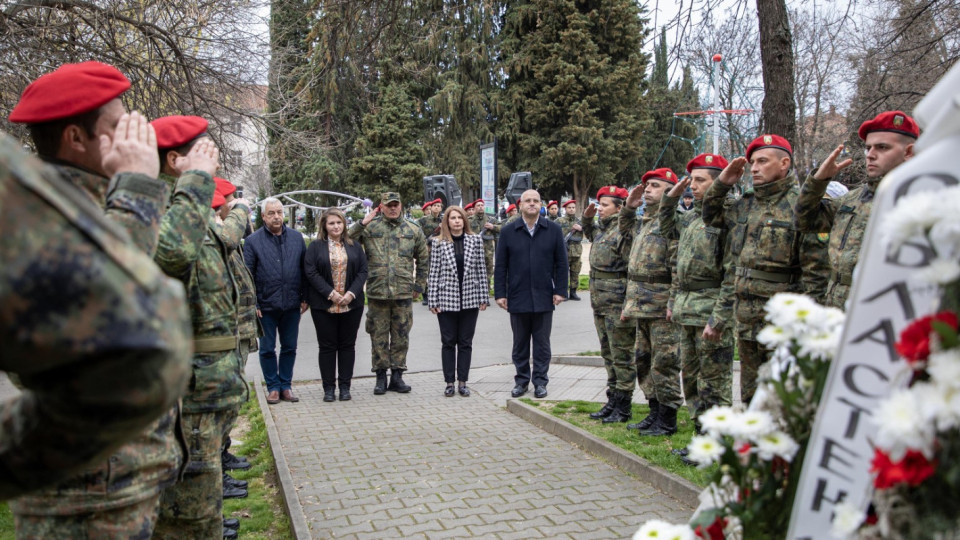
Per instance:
(530,278)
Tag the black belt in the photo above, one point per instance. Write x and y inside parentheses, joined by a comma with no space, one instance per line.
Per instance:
(845,279)
(650,279)
(775,277)
(599,274)
(699,285)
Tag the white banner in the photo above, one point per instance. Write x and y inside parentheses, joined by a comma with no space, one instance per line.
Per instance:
(488,177)
(883,301)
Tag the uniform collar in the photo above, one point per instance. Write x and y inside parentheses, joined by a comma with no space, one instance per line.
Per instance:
(92,184)
(775,188)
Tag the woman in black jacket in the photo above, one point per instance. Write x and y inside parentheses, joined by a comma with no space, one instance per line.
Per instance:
(336,268)
(459,290)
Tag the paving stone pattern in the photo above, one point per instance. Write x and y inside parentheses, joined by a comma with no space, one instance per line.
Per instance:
(421,465)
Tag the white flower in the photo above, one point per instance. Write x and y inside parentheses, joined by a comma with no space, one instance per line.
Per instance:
(774,336)
(776,444)
(900,426)
(846,520)
(945,237)
(944,368)
(938,404)
(705,450)
(718,496)
(790,310)
(662,530)
(939,272)
(912,216)
(831,319)
(751,425)
(717,420)
(819,344)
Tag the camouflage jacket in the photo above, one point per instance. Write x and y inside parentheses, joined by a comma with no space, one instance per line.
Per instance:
(574,244)
(430,226)
(701,289)
(652,258)
(192,250)
(771,254)
(396,257)
(609,255)
(232,232)
(845,219)
(72,345)
(477,222)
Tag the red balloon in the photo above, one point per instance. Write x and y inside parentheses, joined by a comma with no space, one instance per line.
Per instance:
(717,57)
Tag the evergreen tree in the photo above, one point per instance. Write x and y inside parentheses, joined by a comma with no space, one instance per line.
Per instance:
(575,71)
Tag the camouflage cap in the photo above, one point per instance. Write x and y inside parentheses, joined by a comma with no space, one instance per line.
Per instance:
(389,196)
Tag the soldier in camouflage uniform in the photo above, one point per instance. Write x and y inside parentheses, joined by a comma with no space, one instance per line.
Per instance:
(573,235)
(393,245)
(66,128)
(488,229)
(701,293)
(771,254)
(430,225)
(652,257)
(192,249)
(553,211)
(72,345)
(889,142)
(608,288)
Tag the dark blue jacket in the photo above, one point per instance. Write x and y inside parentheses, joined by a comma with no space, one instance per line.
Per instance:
(530,270)
(276,263)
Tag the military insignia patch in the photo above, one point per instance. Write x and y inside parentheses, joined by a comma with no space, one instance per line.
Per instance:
(823,237)
(613,189)
(897,120)
(709,159)
(668,174)
(767,139)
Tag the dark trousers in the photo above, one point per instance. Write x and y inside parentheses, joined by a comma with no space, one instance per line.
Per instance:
(286,323)
(456,338)
(336,343)
(535,327)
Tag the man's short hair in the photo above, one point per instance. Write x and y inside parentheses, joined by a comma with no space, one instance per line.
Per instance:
(182,150)
(47,135)
(270,200)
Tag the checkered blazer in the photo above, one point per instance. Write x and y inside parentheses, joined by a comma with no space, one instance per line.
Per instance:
(443,284)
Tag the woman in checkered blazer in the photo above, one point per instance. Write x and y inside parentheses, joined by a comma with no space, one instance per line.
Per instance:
(459,290)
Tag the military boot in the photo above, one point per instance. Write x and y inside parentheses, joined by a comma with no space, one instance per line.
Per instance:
(573,294)
(396,382)
(666,423)
(230,534)
(345,391)
(229,481)
(329,392)
(607,408)
(650,418)
(381,387)
(622,411)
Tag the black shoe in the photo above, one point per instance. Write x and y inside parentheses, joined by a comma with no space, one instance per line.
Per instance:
(464,391)
(396,382)
(518,390)
(329,393)
(650,419)
(230,534)
(345,392)
(666,424)
(540,391)
(622,411)
(231,523)
(573,295)
(449,391)
(230,462)
(229,481)
(234,493)
(607,407)
(381,386)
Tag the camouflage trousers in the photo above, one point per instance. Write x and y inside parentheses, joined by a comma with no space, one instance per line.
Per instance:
(657,347)
(836,295)
(489,247)
(134,522)
(617,339)
(707,369)
(752,355)
(389,323)
(193,507)
(575,265)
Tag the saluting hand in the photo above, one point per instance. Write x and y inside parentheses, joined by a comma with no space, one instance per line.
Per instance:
(635,197)
(204,156)
(590,211)
(829,168)
(370,215)
(681,186)
(733,172)
(133,148)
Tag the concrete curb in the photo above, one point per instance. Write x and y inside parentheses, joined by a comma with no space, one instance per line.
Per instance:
(671,485)
(298,521)
(590,361)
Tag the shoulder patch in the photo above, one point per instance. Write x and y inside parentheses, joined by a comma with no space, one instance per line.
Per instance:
(823,237)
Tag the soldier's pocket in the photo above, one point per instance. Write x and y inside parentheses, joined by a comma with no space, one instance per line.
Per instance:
(214,379)
(604,292)
(776,241)
(368,326)
(714,243)
(738,236)
(844,219)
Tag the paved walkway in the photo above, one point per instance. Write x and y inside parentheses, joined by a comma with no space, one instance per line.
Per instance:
(421,465)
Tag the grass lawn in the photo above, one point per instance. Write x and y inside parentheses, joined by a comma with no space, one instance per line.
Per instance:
(261,514)
(656,450)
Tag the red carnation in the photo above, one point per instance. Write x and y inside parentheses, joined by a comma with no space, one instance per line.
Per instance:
(913,469)
(714,531)
(914,344)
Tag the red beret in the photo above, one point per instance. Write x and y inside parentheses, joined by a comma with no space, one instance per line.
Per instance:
(612,191)
(218,200)
(428,204)
(571,201)
(769,141)
(551,203)
(69,90)
(468,206)
(478,201)
(225,187)
(511,208)
(176,131)
(663,173)
(707,161)
(893,121)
